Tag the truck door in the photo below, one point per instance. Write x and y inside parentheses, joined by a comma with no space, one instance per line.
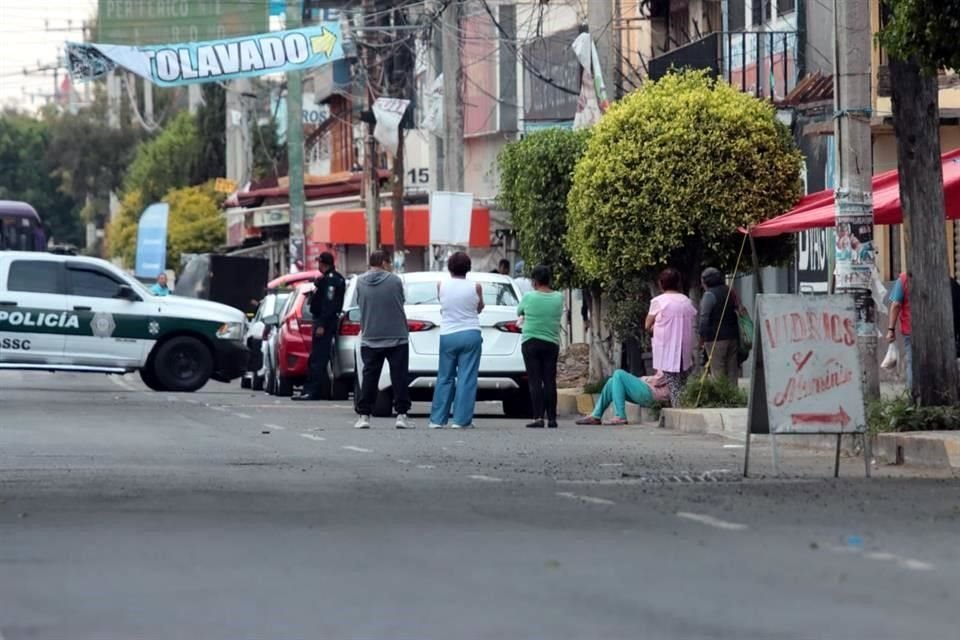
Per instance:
(113,331)
(33,315)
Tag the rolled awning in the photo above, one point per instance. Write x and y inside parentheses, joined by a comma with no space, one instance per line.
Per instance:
(818,210)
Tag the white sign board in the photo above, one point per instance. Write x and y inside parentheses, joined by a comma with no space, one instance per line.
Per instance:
(811,366)
(450,216)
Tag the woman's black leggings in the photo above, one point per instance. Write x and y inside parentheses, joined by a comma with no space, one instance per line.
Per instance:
(540,358)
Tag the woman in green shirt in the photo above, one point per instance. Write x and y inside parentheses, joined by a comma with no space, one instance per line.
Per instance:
(541,311)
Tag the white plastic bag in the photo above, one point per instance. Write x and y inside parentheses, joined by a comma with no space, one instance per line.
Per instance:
(893,355)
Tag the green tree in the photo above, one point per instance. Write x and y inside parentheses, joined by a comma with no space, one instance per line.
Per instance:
(920,38)
(211,130)
(168,161)
(26,174)
(671,173)
(535,177)
(195,224)
(268,154)
(89,156)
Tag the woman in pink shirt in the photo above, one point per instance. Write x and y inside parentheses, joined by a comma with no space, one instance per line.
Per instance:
(672,320)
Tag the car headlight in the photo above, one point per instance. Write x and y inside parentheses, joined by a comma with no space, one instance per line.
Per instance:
(231,331)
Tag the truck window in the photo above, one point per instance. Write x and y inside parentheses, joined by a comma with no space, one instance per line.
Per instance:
(92,284)
(35,276)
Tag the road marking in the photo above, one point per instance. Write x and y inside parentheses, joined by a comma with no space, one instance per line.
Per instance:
(483,478)
(916,565)
(590,499)
(710,521)
(733,446)
(880,555)
(217,408)
(120,382)
(275,427)
(402,461)
(425,466)
(357,449)
(243,415)
(310,436)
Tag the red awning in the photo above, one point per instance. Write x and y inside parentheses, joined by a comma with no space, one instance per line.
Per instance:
(348,226)
(818,210)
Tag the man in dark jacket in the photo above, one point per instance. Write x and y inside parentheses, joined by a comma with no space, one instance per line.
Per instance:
(326,303)
(719,327)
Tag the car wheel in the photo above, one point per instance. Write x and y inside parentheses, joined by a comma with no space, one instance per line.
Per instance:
(383,407)
(517,405)
(183,364)
(284,387)
(270,385)
(257,383)
(246,381)
(149,379)
(340,389)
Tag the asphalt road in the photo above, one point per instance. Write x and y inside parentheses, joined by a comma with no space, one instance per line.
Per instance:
(228,514)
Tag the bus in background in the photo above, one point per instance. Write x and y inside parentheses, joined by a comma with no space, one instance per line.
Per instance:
(20,227)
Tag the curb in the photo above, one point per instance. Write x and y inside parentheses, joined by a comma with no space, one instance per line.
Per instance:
(933,449)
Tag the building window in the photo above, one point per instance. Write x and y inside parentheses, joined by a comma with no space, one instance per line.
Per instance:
(786,6)
(762,11)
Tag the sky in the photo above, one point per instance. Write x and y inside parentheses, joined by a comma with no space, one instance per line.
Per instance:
(24,41)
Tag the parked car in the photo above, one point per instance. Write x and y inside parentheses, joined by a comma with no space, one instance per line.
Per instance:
(502,372)
(256,338)
(258,331)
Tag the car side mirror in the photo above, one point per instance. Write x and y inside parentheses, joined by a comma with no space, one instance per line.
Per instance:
(126,292)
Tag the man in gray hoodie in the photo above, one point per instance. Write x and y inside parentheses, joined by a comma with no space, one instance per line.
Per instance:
(384,336)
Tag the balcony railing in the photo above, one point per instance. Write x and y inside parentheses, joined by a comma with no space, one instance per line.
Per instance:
(763,63)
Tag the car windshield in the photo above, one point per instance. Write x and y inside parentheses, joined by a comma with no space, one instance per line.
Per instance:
(499,294)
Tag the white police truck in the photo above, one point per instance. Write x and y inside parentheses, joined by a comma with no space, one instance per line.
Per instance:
(69,313)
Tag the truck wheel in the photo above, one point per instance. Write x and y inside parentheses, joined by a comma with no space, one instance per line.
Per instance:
(149,379)
(245,382)
(284,387)
(182,364)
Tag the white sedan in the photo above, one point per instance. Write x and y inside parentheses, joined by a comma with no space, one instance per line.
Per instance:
(502,373)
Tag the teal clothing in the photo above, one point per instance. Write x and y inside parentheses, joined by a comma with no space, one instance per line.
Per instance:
(541,313)
(620,388)
(157,290)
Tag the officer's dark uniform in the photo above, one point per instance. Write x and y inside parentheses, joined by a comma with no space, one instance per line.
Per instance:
(325,307)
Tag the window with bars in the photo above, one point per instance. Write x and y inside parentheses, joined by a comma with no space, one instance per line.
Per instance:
(679,27)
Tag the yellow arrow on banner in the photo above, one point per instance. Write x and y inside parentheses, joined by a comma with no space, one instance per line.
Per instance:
(324,43)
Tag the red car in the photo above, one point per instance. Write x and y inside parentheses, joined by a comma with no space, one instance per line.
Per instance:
(293,342)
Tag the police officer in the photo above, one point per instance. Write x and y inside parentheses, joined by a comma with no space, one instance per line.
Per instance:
(325,306)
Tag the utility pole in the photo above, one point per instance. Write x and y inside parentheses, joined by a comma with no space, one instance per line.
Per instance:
(600,23)
(295,148)
(397,199)
(452,66)
(370,172)
(854,195)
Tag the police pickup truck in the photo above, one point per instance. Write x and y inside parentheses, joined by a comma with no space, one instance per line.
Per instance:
(69,313)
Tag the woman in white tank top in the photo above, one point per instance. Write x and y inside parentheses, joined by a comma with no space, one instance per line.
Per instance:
(461,302)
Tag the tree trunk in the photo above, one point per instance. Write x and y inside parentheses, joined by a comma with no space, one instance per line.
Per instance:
(916,119)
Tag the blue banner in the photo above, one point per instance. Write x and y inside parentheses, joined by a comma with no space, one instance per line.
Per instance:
(174,65)
(152,241)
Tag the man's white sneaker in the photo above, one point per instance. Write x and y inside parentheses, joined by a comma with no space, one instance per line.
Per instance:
(461,426)
(434,425)
(363,422)
(404,423)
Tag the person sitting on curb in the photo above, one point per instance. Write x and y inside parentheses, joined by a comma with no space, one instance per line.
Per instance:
(623,387)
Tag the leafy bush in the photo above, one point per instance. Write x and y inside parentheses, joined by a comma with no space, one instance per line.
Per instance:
(712,393)
(535,177)
(901,414)
(671,172)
